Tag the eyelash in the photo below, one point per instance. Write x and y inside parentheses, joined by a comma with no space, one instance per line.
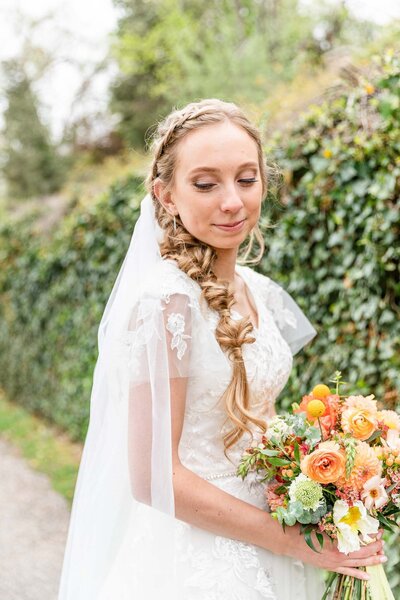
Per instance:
(208,186)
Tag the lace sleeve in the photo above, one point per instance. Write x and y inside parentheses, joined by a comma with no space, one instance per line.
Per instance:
(173,314)
(293,324)
(159,339)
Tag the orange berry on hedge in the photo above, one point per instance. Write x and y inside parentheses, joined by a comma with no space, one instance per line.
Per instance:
(321,391)
(369,88)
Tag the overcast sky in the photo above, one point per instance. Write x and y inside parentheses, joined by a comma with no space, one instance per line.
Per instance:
(90,22)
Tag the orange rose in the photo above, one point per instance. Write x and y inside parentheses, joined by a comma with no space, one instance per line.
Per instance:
(326,464)
(360,416)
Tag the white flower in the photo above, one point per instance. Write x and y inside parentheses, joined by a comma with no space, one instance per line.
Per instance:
(374,494)
(393,439)
(277,428)
(350,522)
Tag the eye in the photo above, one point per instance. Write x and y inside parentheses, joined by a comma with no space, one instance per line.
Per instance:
(203,186)
(248,181)
(209,186)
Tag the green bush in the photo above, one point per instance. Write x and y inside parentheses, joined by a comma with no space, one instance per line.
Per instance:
(335,249)
(336,246)
(52,300)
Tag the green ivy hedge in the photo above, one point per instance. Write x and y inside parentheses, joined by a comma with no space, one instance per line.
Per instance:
(336,247)
(51,301)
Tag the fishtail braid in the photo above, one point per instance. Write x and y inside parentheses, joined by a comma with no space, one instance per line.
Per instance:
(197,258)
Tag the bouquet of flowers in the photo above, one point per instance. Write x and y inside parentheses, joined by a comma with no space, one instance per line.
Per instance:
(333,465)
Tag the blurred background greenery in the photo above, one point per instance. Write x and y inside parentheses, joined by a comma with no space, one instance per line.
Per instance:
(323,85)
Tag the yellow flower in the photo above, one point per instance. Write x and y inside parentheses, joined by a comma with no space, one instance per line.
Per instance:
(321,391)
(316,408)
(327,153)
(352,518)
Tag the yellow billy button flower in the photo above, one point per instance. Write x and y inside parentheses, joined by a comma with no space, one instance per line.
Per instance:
(316,408)
(327,153)
(321,391)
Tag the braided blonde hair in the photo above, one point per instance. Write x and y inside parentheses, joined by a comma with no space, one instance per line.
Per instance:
(197,258)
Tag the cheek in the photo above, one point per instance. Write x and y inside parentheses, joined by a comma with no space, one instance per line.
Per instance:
(254,208)
(197,218)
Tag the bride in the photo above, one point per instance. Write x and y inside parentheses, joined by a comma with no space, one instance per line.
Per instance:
(194,348)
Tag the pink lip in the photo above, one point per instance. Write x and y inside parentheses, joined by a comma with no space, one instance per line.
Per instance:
(232,227)
(228,224)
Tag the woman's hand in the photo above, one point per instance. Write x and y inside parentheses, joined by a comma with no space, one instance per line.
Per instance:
(331,559)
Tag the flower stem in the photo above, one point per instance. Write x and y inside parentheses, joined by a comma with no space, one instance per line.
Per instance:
(320,428)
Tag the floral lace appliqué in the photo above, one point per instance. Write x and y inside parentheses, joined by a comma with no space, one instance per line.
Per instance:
(176,326)
(242,557)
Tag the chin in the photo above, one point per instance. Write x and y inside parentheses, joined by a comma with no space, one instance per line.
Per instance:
(225,244)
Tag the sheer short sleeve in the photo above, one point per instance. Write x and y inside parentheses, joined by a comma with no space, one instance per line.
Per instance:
(159,330)
(293,324)
(157,359)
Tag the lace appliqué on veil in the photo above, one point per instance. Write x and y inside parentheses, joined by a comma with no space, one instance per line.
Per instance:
(176,326)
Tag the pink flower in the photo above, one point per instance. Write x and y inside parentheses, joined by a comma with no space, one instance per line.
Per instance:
(274,500)
(374,494)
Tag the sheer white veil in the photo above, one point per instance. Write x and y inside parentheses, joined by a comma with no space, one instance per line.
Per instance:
(124,499)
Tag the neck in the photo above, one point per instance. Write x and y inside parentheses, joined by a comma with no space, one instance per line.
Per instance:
(224,266)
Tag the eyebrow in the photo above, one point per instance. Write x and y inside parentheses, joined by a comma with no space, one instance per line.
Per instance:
(215,170)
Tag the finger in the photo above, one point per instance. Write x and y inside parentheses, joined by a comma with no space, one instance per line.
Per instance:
(382,551)
(367,562)
(368,550)
(357,573)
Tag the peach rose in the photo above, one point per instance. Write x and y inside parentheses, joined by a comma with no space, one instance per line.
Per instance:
(326,464)
(360,422)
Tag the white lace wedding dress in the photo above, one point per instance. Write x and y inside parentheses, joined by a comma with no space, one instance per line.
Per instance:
(212,567)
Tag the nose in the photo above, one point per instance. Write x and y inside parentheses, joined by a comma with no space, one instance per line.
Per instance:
(231,201)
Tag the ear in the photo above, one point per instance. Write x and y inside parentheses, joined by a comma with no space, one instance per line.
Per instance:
(164,196)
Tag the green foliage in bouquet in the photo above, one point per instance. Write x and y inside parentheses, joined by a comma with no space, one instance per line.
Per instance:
(51,301)
(336,244)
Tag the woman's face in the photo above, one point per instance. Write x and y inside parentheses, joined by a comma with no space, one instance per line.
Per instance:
(217,184)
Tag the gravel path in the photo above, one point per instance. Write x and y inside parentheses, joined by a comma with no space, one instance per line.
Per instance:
(33,528)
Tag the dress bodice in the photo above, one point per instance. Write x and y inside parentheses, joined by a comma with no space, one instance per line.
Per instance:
(268,363)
